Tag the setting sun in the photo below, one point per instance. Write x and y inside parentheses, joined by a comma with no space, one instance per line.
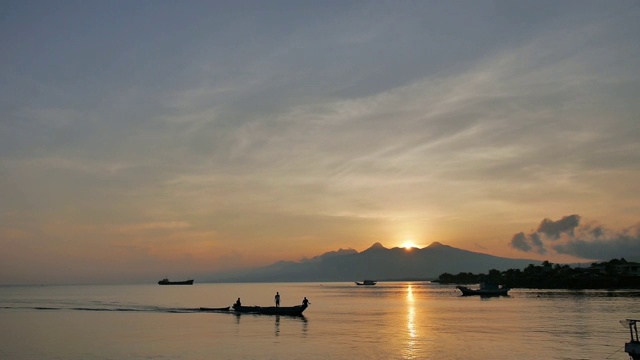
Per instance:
(408,245)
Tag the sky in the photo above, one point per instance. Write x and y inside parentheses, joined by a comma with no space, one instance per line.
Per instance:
(144,139)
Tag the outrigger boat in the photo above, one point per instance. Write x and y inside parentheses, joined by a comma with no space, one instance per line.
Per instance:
(633,346)
(366,282)
(486,289)
(270,310)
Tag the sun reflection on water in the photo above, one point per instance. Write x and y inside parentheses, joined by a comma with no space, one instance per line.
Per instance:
(410,348)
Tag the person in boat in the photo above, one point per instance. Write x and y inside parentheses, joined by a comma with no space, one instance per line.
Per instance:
(277,299)
(305,302)
(238,303)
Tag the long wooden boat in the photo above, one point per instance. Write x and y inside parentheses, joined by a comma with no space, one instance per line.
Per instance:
(222,309)
(486,289)
(166,281)
(271,310)
(366,282)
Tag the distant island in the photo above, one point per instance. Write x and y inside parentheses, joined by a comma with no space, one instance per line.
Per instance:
(613,274)
(375,263)
(399,264)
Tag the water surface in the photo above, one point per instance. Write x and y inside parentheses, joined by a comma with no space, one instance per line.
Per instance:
(400,320)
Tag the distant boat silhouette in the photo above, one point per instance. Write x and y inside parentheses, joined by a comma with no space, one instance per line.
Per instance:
(366,282)
(271,310)
(166,281)
(486,289)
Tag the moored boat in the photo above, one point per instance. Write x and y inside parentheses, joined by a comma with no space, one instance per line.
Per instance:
(166,281)
(366,282)
(486,289)
(271,310)
(633,346)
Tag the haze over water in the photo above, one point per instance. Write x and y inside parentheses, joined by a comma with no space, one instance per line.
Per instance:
(395,320)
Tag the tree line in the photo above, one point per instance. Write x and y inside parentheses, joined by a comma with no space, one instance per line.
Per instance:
(611,274)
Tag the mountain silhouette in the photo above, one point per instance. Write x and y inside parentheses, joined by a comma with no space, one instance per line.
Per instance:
(379,263)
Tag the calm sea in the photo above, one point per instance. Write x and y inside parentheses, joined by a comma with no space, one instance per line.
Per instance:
(399,320)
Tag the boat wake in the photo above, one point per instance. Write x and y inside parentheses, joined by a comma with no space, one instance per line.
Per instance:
(148,309)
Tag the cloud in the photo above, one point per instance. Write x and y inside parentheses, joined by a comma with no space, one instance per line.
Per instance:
(553,229)
(526,243)
(520,242)
(601,243)
(586,241)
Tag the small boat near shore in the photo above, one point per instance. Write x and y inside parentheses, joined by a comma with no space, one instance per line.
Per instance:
(271,310)
(366,282)
(486,289)
(166,281)
(633,346)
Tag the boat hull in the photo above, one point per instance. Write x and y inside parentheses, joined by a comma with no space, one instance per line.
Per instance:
(271,310)
(482,292)
(633,349)
(222,309)
(366,283)
(167,282)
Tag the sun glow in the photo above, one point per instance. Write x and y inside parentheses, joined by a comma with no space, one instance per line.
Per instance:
(408,245)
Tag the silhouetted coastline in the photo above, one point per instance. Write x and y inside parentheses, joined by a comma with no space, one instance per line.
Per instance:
(613,274)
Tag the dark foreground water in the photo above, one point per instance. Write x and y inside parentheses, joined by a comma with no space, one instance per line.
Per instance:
(402,320)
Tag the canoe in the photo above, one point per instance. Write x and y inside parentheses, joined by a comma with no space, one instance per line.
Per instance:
(271,310)
(215,309)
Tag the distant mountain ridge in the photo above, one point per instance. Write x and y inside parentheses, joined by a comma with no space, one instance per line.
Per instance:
(378,263)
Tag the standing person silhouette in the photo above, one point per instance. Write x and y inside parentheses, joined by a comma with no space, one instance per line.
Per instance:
(305,302)
(277,299)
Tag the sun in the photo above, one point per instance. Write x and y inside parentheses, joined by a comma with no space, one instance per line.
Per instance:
(408,245)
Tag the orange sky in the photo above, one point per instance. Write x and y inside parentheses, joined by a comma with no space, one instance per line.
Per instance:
(214,136)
